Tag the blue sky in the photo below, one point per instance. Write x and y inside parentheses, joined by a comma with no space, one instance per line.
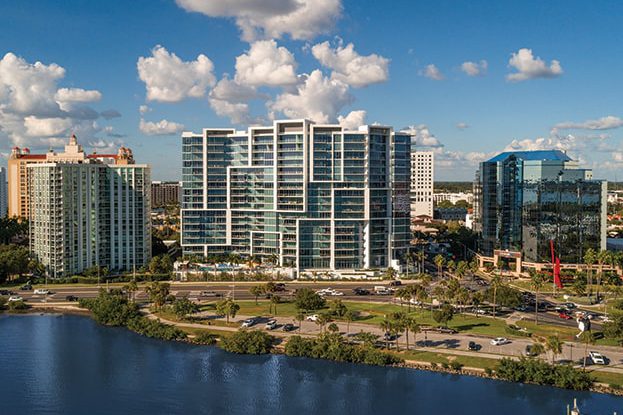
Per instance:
(574,104)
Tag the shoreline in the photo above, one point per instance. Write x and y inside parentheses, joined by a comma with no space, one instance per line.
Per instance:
(407,364)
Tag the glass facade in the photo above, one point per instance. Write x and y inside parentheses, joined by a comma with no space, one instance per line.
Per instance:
(314,196)
(527,199)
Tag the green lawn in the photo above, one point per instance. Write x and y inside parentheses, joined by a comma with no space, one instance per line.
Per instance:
(439,358)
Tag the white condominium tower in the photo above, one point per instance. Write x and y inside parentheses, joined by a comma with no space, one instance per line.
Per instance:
(311,196)
(85,213)
(422,180)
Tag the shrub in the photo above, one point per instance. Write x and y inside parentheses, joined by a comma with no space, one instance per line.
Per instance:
(205,338)
(17,305)
(517,331)
(488,371)
(248,342)
(541,373)
(456,366)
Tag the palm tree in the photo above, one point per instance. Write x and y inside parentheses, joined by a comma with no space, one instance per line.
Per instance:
(439,262)
(322,320)
(131,288)
(537,349)
(554,345)
(409,261)
(496,282)
(537,280)
(587,338)
(420,257)
(390,273)
(461,269)
(387,326)
(603,257)
(349,316)
(275,299)
(451,265)
(590,257)
(256,291)
(300,316)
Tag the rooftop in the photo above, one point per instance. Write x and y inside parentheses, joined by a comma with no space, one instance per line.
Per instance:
(537,155)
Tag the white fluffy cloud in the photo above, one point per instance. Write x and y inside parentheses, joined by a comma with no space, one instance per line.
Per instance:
(349,66)
(462,126)
(352,120)
(162,127)
(529,67)
(144,109)
(432,72)
(577,144)
(317,98)
(474,68)
(422,136)
(230,99)
(301,19)
(603,123)
(169,79)
(266,64)
(35,112)
(77,95)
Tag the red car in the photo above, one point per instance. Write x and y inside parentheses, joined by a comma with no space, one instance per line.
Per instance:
(565,316)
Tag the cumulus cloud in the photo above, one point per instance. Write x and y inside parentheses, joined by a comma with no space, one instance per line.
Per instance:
(105,146)
(266,64)
(77,95)
(462,126)
(529,67)
(230,99)
(144,109)
(352,120)
(35,112)
(349,66)
(432,72)
(162,127)
(604,123)
(169,79)
(574,143)
(317,98)
(421,136)
(474,68)
(301,19)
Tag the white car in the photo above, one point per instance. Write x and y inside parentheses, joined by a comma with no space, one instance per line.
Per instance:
(337,293)
(248,322)
(271,324)
(597,358)
(313,317)
(41,291)
(499,341)
(15,298)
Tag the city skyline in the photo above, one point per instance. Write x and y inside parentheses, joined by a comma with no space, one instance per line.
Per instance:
(468,82)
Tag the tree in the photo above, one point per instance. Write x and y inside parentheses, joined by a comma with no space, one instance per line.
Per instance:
(496,281)
(461,269)
(274,300)
(154,265)
(131,288)
(14,259)
(579,285)
(590,258)
(300,316)
(387,326)
(183,307)
(333,328)
(414,327)
(603,257)
(444,314)
(439,262)
(367,338)
(408,261)
(306,299)
(12,229)
(158,293)
(587,338)
(554,345)
(256,291)
(537,349)
(227,308)
(390,273)
(349,316)
(337,308)
(537,280)
(322,321)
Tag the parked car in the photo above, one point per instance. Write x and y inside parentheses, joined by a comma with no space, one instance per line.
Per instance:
(360,291)
(598,358)
(445,330)
(564,315)
(529,351)
(499,341)
(271,324)
(71,298)
(15,298)
(288,327)
(389,336)
(248,322)
(26,287)
(41,291)
(481,312)
(5,292)
(395,283)
(312,317)
(473,346)
(280,286)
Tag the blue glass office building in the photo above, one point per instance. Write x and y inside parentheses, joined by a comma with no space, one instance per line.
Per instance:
(316,197)
(527,198)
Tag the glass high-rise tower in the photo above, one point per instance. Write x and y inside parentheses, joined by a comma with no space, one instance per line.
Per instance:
(525,199)
(310,196)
